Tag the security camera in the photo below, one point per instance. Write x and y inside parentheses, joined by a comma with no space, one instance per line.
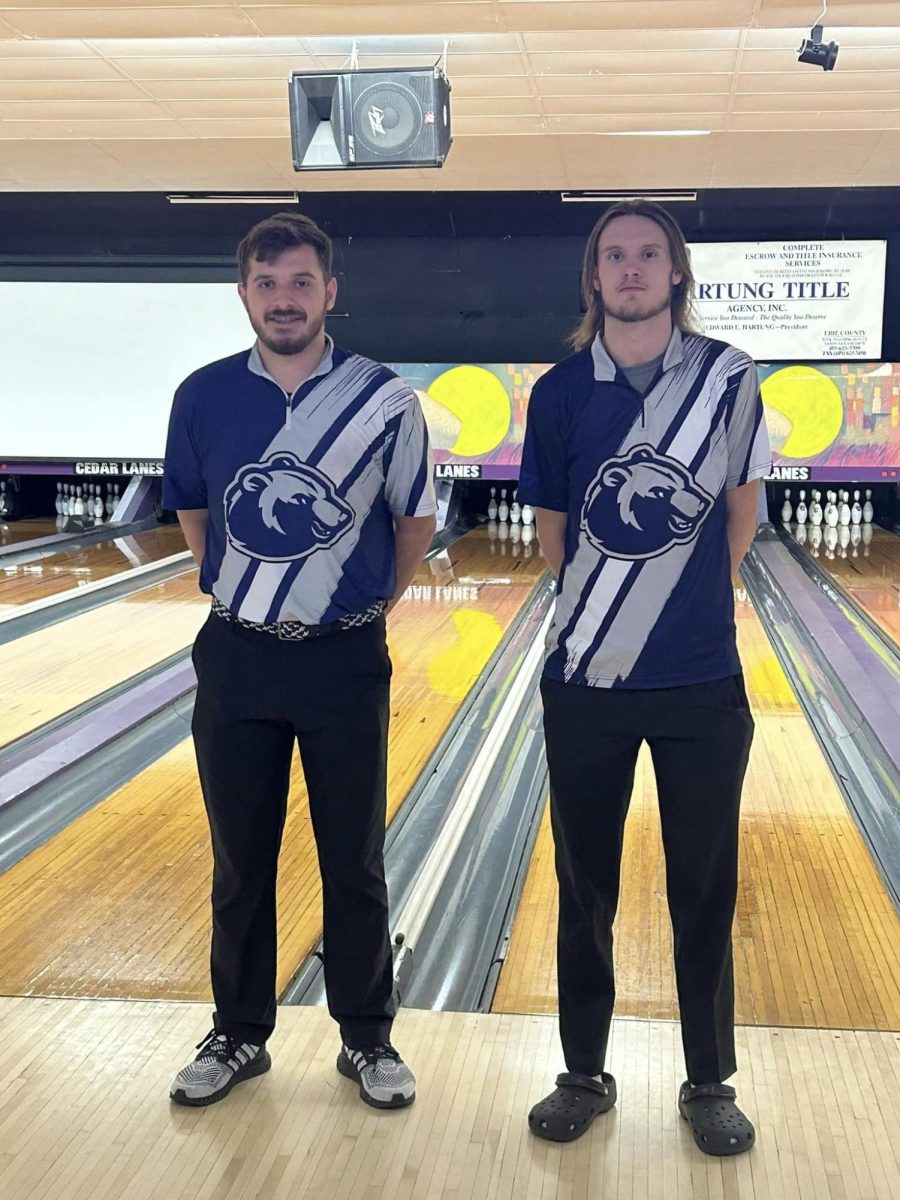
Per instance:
(813,50)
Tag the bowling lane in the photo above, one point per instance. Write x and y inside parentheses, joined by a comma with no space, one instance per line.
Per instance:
(118,903)
(13,532)
(865,561)
(816,939)
(46,673)
(23,582)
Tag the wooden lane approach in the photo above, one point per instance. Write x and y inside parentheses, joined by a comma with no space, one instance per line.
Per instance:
(117,904)
(817,941)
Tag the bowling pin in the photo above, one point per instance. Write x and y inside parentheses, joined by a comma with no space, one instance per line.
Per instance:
(845,509)
(815,510)
(59,495)
(868,512)
(856,509)
(3,501)
(503,507)
(492,505)
(801,509)
(515,511)
(78,507)
(786,509)
(527,514)
(98,504)
(831,511)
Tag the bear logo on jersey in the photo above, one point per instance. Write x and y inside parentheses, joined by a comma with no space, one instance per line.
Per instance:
(640,505)
(281,510)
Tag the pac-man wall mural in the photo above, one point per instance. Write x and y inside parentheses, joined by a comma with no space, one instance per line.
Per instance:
(837,421)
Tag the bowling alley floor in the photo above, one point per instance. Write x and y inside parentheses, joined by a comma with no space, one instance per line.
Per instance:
(84,1113)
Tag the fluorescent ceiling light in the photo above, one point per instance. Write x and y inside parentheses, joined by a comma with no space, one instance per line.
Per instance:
(660,197)
(233,198)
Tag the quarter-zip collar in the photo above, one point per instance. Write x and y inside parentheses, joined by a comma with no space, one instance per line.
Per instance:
(605,368)
(326,364)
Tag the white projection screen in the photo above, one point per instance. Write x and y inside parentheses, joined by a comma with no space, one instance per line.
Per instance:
(89,369)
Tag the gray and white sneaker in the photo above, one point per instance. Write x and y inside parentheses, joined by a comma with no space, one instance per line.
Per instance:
(221,1063)
(385,1081)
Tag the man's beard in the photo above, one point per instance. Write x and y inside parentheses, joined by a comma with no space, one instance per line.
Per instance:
(289,342)
(631,316)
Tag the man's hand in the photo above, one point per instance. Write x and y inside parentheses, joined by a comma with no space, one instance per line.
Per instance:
(412,537)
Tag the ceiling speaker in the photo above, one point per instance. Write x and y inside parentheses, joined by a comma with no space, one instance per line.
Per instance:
(369,118)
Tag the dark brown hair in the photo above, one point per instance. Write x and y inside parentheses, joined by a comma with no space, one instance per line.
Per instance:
(682,293)
(284,231)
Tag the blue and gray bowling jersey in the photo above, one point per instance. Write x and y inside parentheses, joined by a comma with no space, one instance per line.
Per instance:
(302,489)
(644,598)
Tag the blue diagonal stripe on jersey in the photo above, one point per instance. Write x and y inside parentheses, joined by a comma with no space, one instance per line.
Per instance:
(346,415)
(240,592)
(612,612)
(723,409)
(290,576)
(710,354)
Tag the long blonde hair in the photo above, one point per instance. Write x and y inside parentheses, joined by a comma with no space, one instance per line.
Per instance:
(683,315)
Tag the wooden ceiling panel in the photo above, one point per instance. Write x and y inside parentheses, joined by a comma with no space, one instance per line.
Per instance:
(222,68)
(680,62)
(74,90)
(627,14)
(796,155)
(841,13)
(655,103)
(357,20)
(224,90)
(825,106)
(69,111)
(89,130)
(637,40)
(633,85)
(32,70)
(193,93)
(787,121)
(118,20)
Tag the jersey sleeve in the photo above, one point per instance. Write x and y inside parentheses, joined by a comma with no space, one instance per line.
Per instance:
(183,483)
(408,474)
(543,478)
(749,455)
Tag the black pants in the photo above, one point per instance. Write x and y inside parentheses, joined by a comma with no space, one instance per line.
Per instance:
(699,737)
(255,695)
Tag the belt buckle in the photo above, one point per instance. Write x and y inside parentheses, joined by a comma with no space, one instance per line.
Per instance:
(291,631)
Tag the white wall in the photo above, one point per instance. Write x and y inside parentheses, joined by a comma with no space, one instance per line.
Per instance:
(89,369)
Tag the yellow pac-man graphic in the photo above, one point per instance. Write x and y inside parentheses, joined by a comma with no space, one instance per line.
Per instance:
(480,401)
(452,672)
(443,427)
(804,411)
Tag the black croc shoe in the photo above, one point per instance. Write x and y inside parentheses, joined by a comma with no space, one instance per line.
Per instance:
(568,1111)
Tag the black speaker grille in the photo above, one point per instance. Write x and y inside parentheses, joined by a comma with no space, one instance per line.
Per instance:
(387,119)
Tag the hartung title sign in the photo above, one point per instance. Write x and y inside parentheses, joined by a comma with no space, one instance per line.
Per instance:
(784,301)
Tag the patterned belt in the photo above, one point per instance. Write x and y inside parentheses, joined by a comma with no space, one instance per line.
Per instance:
(296,631)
